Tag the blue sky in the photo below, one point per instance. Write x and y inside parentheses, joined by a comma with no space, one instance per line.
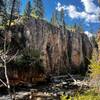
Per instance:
(76,11)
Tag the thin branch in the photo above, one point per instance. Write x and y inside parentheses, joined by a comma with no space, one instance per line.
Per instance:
(72,77)
(3,83)
(1,52)
(13,56)
(2,58)
(7,52)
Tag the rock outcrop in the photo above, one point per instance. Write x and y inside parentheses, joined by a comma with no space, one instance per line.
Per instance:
(61,50)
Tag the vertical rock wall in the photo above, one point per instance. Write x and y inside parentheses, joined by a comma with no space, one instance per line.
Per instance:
(62,51)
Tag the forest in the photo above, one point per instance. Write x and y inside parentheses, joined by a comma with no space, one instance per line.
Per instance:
(49,50)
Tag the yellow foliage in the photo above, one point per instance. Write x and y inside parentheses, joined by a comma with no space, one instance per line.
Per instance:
(12,22)
(88,95)
(94,68)
(63,97)
(33,14)
(94,74)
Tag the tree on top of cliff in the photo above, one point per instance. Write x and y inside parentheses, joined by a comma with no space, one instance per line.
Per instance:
(54,18)
(78,28)
(57,18)
(38,7)
(28,9)
(62,21)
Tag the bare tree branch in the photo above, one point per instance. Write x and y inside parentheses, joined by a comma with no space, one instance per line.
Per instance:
(72,77)
(13,56)
(3,83)
(4,52)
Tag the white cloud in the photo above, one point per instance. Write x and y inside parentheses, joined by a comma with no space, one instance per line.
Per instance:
(92,18)
(60,7)
(89,6)
(90,13)
(72,12)
(93,11)
(88,34)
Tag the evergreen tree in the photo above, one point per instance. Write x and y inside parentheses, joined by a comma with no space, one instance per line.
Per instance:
(57,18)
(60,17)
(16,9)
(28,9)
(62,22)
(78,28)
(75,27)
(38,7)
(3,15)
(9,12)
(1,5)
(54,18)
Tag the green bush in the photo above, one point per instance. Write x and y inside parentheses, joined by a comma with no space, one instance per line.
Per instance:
(31,53)
(30,57)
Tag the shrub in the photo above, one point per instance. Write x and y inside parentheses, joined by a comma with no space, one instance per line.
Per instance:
(30,57)
(88,95)
(94,68)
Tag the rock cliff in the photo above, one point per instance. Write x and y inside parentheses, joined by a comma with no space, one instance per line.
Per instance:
(61,50)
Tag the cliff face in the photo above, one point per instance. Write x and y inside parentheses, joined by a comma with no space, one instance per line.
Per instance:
(61,50)
(52,43)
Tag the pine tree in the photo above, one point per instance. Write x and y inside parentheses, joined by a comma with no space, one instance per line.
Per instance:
(1,5)
(3,15)
(28,9)
(38,7)
(62,21)
(16,9)
(54,18)
(62,17)
(57,18)
(78,28)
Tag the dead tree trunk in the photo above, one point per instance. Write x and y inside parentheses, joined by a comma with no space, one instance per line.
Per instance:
(4,56)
